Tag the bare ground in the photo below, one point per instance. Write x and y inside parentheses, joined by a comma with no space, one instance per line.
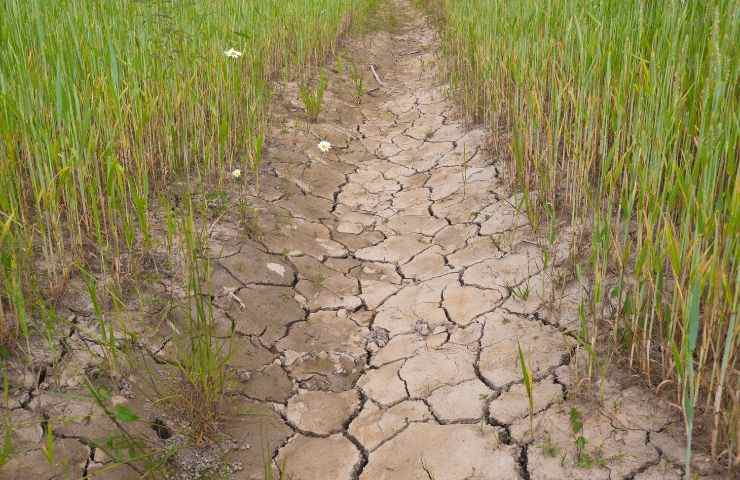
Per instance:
(378,300)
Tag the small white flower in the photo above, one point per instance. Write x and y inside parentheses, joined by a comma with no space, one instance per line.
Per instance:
(324,146)
(236,173)
(231,53)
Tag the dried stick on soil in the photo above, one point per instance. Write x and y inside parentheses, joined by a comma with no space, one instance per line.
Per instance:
(375,74)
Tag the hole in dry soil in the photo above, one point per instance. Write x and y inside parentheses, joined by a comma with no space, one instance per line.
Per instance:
(161,429)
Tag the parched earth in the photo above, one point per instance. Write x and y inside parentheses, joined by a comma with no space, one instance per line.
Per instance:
(378,305)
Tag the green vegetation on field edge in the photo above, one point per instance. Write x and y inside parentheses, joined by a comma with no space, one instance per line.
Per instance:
(624,117)
(120,123)
(103,104)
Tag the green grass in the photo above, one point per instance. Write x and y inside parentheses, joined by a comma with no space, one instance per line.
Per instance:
(528,385)
(119,123)
(103,103)
(313,98)
(624,116)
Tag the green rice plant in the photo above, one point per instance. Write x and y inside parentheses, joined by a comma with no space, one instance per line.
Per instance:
(107,340)
(583,459)
(7,441)
(103,103)
(312,98)
(269,470)
(521,292)
(358,82)
(339,64)
(255,159)
(202,358)
(623,117)
(528,385)
(685,365)
(48,448)
(7,448)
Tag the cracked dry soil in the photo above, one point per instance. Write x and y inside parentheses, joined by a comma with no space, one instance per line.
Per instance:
(379,338)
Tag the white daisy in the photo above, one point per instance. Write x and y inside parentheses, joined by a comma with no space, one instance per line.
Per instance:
(231,53)
(236,173)
(324,146)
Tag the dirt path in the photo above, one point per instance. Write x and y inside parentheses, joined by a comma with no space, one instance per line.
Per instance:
(386,288)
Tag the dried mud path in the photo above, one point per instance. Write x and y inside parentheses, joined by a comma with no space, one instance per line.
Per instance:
(387,285)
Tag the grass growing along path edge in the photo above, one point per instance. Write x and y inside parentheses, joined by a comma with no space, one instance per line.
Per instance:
(103,104)
(104,108)
(624,116)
